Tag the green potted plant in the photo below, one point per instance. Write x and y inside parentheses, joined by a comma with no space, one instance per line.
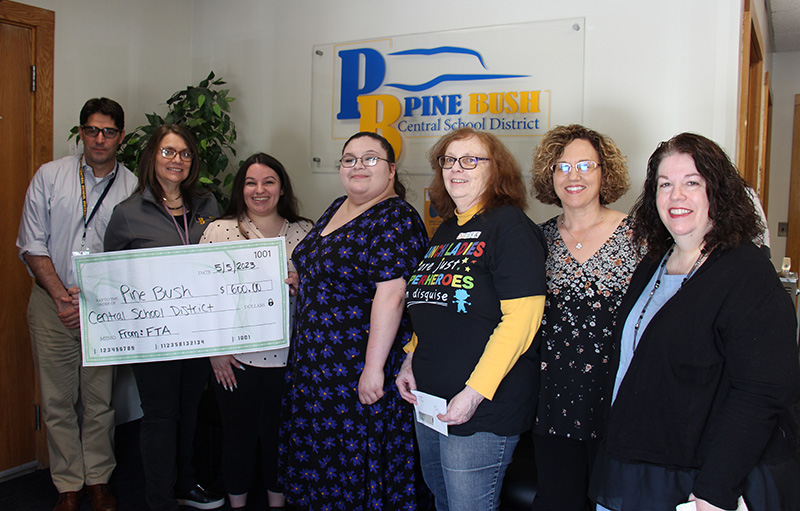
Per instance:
(205,110)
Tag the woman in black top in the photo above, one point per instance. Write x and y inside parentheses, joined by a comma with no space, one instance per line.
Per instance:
(707,350)
(476,301)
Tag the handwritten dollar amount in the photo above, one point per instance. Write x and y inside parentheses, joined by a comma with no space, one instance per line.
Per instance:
(244,288)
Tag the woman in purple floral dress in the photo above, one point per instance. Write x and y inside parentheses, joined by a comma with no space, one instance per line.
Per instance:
(347,440)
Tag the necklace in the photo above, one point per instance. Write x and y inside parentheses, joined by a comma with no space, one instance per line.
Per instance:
(657,284)
(579,244)
(176,208)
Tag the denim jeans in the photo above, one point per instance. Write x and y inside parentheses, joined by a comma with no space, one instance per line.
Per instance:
(465,473)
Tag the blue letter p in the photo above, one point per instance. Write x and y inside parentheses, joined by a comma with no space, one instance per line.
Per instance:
(374,72)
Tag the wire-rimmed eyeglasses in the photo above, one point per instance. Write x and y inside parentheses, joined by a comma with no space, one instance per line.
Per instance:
(368,161)
(169,154)
(582,166)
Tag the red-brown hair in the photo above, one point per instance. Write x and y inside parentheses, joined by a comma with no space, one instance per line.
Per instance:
(504,185)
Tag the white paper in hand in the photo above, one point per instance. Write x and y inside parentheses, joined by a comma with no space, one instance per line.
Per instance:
(426,410)
(691,506)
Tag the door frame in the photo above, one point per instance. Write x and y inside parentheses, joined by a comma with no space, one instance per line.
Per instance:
(793,237)
(42,24)
(751,80)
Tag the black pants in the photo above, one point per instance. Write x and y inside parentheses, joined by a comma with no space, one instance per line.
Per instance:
(170,392)
(251,413)
(564,467)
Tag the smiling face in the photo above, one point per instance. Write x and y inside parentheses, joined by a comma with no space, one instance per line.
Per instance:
(465,187)
(100,151)
(682,198)
(262,190)
(171,172)
(577,190)
(364,184)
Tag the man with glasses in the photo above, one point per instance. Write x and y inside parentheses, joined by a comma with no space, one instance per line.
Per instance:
(66,210)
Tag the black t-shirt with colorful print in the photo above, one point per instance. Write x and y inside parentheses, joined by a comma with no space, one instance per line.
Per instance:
(454,297)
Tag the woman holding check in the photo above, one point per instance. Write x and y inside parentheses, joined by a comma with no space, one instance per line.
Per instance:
(249,385)
(167,209)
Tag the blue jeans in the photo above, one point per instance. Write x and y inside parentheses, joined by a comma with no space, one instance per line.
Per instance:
(465,473)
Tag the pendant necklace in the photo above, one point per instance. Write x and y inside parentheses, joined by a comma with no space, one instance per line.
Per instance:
(579,244)
(657,284)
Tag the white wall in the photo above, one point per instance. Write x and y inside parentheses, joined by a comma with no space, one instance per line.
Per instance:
(136,53)
(652,69)
(785,78)
(237,40)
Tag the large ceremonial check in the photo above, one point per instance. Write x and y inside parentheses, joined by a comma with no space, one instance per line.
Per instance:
(183,302)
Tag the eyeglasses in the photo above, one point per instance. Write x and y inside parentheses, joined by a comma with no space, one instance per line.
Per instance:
(170,154)
(466,162)
(349,162)
(93,131)
(582,166)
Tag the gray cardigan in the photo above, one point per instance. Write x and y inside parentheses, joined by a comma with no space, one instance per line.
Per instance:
(140,221)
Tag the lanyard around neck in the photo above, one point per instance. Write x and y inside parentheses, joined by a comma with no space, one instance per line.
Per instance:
(99,201)
(184,235)
(657,284)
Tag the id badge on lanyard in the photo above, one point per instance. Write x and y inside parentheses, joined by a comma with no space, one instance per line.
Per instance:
(84,249)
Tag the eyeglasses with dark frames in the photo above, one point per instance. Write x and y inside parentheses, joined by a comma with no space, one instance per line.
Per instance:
(93,131)
(466,162)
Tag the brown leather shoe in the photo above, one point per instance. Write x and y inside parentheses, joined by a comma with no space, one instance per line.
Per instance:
(101,496)
(69,501)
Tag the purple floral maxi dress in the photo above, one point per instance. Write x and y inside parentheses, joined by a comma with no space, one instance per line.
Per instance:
(336,453)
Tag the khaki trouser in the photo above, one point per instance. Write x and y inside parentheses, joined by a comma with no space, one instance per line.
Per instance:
(81,448)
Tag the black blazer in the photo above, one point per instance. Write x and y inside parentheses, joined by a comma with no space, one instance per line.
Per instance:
(713,374)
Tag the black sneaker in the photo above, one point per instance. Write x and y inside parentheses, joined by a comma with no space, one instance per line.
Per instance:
(199,498)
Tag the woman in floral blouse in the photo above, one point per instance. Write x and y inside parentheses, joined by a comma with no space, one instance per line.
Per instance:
(590,260)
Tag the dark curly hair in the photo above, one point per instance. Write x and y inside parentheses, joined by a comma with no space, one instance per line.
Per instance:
(733,216)
(287,203)
(613,164)
(504,184)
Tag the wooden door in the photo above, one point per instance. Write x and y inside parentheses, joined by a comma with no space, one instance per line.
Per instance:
(26,135)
